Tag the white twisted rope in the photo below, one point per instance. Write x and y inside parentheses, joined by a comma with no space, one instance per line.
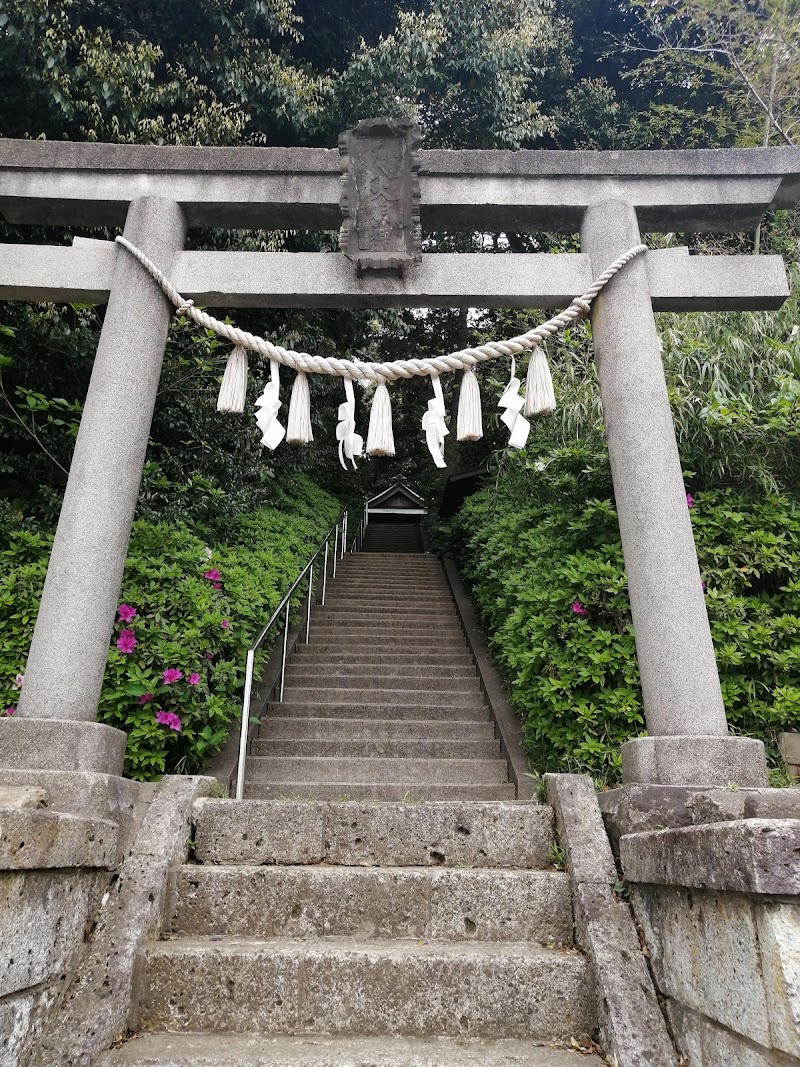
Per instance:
(399,368)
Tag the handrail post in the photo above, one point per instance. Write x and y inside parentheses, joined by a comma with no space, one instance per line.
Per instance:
(344,534)
(336,548)
(308,606)
(285,643)
(248,691)
(325,571)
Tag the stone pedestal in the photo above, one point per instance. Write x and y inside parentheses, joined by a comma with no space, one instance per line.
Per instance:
(680,683)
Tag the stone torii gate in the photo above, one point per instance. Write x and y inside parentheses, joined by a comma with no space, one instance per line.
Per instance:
(610,197)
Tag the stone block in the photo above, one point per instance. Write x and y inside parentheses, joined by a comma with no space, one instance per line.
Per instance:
(581,830)
(772,804)
(705,1043)
(60,744)
(789,745)
(32,839)
(256,832)
(694,759)
(439,834)
(22,796)
(779,936)
(23,1015)
(746,856)
(704,953)
(42,918)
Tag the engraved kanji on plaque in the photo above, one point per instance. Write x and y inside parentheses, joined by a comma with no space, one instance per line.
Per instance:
(380,195)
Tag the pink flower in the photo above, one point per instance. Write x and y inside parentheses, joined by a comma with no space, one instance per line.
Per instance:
(126,612)
(217,585)
(210,655)
(578,608)
(225,624)
(689,500)
(145,698)
(168,718)
(20,678)
(126,642)
(213,575)
(193,679)
(171,674)
(703,586)
(9,711)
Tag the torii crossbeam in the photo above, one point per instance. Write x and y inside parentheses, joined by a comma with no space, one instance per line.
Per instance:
(611,197)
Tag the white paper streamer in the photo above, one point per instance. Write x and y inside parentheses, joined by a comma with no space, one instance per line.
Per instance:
(351,445)
(269,404)
(433,423)
(513,403)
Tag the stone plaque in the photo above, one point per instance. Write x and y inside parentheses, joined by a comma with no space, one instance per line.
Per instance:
(380,195)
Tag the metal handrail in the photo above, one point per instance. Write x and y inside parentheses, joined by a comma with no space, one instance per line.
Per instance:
(339,548)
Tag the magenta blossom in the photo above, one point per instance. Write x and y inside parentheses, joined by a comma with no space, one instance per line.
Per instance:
(216,585)
(171,674)
(126,612)
(689,500)
(225,624)
(9,711)
(126,642)
(145,698)
(210,655)
(168,718)
(213,575)
(578,608)
(20,678)
(194,678)
(703,586)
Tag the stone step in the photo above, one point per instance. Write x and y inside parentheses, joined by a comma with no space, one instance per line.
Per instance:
(385,771)
(313,654)
(370,711)
(391,611)
(408,902)
(454,833)
(343,694)
(406,792)
(376,729)
(375,644)
(234,1050)
(351,986)
(435,583)
(353,625)
(384,591)
(376,748)
(383,676)
(423,602)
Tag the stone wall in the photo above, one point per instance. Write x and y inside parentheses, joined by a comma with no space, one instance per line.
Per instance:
(719,908)
(54,870)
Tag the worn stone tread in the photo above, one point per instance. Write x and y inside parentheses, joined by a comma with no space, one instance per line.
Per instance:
(300,694)
(380,771)
(383,792)
(365,711)
(376,748)
(233,1050)
(376,729)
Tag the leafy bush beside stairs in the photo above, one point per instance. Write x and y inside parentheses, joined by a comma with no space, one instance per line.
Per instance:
(184,622)
(545,563)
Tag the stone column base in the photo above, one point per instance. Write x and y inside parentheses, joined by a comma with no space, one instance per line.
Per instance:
(61,745)
(694,759)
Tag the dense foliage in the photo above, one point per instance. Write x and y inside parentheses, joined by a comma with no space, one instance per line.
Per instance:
(198,598)
(542,552)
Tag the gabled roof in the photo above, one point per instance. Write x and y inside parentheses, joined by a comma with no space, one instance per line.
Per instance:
(397,497)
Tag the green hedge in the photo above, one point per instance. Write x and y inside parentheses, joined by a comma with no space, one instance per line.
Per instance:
(182,622)
(540,551)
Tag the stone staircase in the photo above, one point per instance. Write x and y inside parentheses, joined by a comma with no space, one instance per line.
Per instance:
(365,935)
(328,921)
(392,537)
(384,703)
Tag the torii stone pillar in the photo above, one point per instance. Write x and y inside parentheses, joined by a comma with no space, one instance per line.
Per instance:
(689,740)
(54,727)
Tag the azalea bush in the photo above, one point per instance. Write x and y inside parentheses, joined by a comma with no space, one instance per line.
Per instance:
(190,607)
(543,555)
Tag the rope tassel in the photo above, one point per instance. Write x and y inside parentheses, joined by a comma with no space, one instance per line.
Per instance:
(380,439)
(298,426)
(539,396)
(233,388)
(470,426)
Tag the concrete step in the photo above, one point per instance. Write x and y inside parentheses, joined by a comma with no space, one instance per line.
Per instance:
(421,601)
(355,625)
(417,902)
(370,711)
(376,729)
(454,833)
(376,748)
(233,1050)
(386,771)
(383,676)
(312,653)
(342,694)
(405,792)
(392,611)
(434,583)
(352,986)
(374,644)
